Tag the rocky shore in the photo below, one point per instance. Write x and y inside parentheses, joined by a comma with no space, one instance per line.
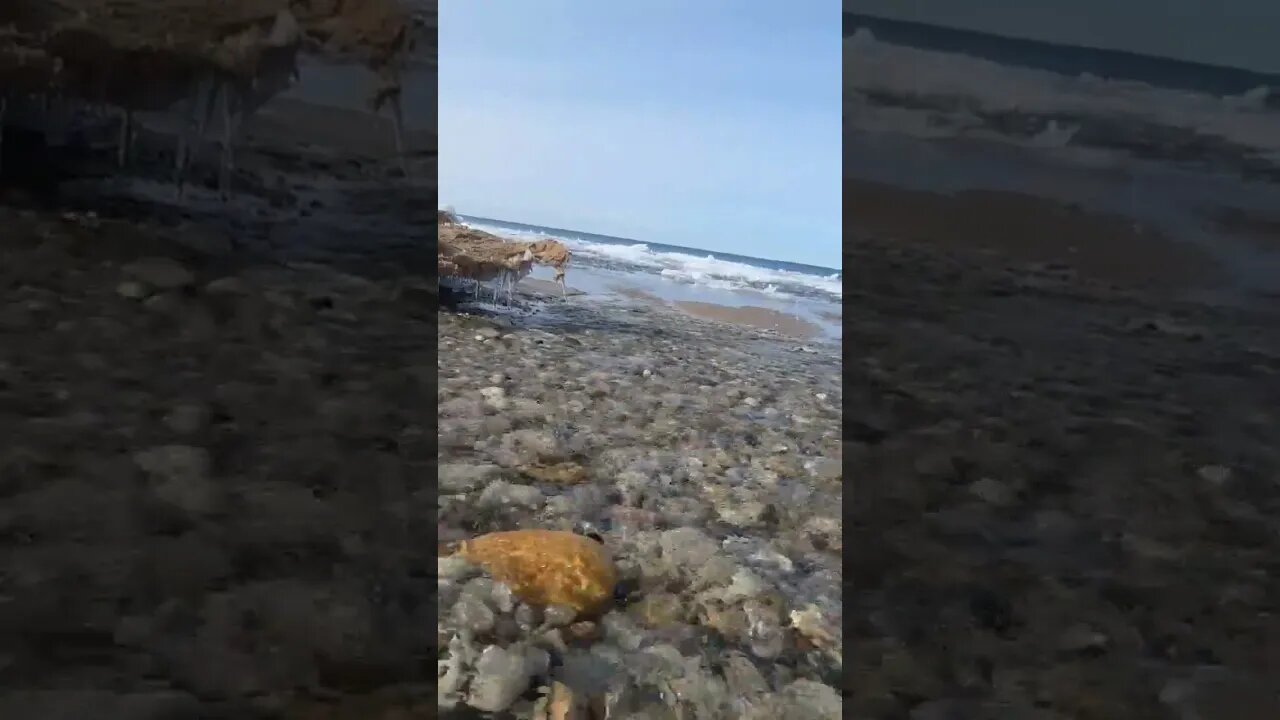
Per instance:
(1064,494)
(218,449)
(705,457)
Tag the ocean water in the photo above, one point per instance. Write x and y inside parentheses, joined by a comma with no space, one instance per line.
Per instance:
(605,265)
(1164,142)
(1065,59)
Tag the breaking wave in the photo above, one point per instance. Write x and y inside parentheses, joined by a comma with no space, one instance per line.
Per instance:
(721,271)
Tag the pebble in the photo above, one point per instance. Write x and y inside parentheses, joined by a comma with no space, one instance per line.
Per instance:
(813,625)
(132,290)
(1215,474)
(464,477)
(992,491)
(764,630)
(660,610)
(745,585)
(500,493)
(827,469)
(559,615)
(687,547)
(811,700)
(562,703)
(160,272)
(1080,638)
(453,567)
(473,614)
(501,676)
(230,285)
(743,514)
(187,419)
(182,477)
(495,397)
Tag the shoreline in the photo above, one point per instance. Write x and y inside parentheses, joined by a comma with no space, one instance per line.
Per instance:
(753,316)
(750,316)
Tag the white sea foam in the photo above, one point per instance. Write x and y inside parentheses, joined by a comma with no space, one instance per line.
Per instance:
(702,270)
(876,66)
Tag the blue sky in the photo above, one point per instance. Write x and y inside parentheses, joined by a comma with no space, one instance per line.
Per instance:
(713,124)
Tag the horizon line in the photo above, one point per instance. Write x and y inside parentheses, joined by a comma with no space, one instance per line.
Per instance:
(845,32)
(644,242)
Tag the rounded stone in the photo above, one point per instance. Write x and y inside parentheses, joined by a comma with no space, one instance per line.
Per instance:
(547,567)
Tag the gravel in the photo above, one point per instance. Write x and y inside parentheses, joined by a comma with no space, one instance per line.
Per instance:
(701,457)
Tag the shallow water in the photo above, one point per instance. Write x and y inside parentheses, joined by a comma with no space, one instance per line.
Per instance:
(614,284)
(1173,200)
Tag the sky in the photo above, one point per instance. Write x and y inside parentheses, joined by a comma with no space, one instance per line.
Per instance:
(1232,33)
(712,124)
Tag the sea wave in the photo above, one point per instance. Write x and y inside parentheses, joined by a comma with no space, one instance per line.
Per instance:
(704,270)
(962,87)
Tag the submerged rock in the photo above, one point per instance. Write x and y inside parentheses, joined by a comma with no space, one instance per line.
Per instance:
(502,675)
(547,567)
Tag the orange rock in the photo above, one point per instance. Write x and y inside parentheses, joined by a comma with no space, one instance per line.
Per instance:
(547,567)
(565,704)
(566,473)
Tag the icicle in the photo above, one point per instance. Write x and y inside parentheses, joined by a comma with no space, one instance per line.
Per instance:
(195,128)
(397,123)
(4,108)
(231,117)
(183,149)
(123,150)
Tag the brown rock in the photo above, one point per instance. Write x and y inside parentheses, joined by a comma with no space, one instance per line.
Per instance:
(584,631)
(565,473)
(730,622)
(659,610)
(547,567)
(562,703)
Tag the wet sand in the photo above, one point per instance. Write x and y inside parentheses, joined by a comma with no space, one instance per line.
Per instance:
(747,316)
(1263,230)
(1029,230)
(758,317)
(638,294)
(546,288)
